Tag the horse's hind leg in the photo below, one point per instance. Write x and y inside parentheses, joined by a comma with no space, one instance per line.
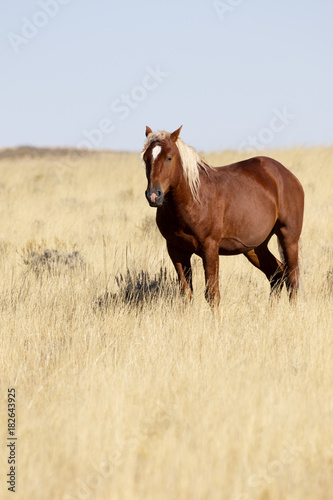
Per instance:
(273,269)
(289,245)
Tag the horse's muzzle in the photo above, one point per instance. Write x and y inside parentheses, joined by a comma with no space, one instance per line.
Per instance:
(155,197)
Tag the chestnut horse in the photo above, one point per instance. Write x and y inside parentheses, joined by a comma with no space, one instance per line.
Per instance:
(211,211)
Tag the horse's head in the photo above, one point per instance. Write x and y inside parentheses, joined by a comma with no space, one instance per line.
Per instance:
(161,158)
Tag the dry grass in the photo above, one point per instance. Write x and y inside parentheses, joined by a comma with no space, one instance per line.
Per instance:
(123,390)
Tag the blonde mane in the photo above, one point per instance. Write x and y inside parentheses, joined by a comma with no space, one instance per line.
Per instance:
(192,162)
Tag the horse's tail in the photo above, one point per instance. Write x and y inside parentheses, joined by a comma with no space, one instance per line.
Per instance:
(300,266)
(280,250)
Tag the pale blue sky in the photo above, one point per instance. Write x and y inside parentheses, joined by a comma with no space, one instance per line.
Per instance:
(233,73)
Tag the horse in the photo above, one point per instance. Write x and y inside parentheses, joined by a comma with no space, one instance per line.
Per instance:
(228,210)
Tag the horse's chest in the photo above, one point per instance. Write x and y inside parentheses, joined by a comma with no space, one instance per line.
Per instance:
(177,233)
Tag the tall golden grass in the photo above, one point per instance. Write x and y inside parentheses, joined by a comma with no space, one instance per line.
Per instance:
(125,391)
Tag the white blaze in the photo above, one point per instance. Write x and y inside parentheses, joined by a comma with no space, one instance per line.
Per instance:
(156,151)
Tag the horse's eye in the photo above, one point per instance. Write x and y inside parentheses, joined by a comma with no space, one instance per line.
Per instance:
(169,159)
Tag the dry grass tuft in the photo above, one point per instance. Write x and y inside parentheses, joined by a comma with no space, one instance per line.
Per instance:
(54,261)
(329,281)
(139,289)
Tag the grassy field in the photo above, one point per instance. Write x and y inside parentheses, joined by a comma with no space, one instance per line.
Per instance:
(123,390)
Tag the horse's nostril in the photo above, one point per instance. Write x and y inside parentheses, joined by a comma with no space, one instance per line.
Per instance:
(159,193)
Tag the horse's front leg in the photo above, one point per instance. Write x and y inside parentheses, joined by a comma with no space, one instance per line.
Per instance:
(182,263)
(210,257)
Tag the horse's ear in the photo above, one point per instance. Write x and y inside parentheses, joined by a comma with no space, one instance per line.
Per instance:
(148,131)
(174,136)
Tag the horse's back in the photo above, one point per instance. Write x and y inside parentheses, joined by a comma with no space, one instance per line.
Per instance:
(264,175)
(257,168)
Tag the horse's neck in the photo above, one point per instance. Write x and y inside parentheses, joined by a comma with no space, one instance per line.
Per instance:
(182,202)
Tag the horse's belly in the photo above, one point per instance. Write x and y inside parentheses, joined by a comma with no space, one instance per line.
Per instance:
(232,246)
(246,236)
